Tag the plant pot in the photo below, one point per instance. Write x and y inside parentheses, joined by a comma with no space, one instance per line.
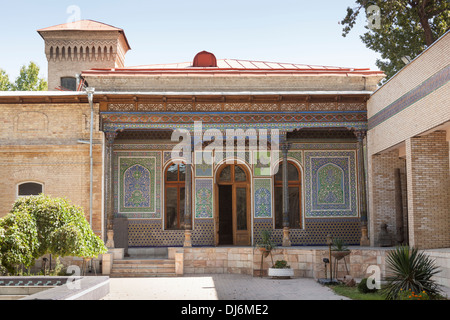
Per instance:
(284,273)
(338,255)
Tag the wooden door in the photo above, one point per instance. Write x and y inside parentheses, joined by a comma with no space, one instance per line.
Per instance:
(233,212)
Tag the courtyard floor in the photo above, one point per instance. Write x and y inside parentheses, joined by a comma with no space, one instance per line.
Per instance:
(218,287)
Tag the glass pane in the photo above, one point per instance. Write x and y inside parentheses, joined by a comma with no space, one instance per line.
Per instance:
(241,208)
(182,167)
(278,208)
(292,172)
(171,208)
(30,189)
(239,174)
(294,208)
(279,174)
(225,174)
(172,173)
(182,196)
(69,83)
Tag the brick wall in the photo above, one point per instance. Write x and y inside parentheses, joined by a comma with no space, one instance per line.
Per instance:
(386,203)
(39,143)
(425,114)
(428,190)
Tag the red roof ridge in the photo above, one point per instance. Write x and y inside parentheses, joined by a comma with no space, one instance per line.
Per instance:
(240,64)
(85,24)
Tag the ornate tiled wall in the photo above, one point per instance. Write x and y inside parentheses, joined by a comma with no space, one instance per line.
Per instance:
(263,198)
(137,184)
(330,184)
(315,231)
(203,198)
(329,200)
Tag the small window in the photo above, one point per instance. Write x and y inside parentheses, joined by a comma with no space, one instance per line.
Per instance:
(29,189)
(69,83)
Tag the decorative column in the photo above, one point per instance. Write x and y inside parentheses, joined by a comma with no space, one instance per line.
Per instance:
(360,134)
(187,203)
(109,199)
(284,149)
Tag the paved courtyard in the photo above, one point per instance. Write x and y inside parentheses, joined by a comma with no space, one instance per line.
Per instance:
(218,287)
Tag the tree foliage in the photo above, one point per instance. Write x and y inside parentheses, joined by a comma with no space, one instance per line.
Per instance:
(38,225)
(28,80)
(405,29)
(5,85)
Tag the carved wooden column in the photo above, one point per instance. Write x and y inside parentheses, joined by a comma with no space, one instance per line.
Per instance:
(360,134)
(188,203)
(109,198)
(286,240)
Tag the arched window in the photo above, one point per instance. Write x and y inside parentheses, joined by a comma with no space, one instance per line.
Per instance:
(29,189)
(294,191)
(174,184)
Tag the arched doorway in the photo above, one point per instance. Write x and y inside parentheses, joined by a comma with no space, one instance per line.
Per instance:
(233,226)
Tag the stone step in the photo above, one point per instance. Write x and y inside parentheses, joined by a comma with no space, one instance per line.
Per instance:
(146,268)
(144,261)
(143,268)
(161,252)
(140,275)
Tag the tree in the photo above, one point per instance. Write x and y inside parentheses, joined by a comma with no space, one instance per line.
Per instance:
(5,85)
(38,225)
(28,80)
(404,28)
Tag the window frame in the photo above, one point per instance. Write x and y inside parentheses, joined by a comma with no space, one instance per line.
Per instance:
(291,183)
(68,77)
(24,182)
(178,184)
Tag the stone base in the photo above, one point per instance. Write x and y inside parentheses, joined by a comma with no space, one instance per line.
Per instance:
(327,281)
(117,253)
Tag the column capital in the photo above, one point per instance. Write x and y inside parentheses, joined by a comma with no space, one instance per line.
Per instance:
(110,136)
(285,146)
(360,134)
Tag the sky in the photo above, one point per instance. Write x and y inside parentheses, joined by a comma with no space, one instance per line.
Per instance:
(290,31)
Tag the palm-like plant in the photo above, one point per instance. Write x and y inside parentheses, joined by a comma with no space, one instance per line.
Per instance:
(410,269)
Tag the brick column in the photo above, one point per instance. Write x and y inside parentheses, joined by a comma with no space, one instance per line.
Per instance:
(360,135)
(428,180)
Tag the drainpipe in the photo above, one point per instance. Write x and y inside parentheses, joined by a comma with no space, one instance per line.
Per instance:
(90,94)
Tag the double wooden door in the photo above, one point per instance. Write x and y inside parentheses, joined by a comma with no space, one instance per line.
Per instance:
(233,225)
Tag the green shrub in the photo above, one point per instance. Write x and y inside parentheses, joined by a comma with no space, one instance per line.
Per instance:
(363,288)
(412,271)
(281,264)
(19,242)
(38,225)
(339,245)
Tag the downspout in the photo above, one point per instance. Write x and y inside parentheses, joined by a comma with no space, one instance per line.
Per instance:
(90,94)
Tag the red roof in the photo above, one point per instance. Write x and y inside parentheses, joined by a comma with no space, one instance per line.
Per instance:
(83,25)
(232,67)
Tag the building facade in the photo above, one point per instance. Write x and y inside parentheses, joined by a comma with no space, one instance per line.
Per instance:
(204,153)
(408,152)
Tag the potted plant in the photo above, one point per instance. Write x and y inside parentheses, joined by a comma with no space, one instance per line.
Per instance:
(265,246)
(339,250)
(281,270)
